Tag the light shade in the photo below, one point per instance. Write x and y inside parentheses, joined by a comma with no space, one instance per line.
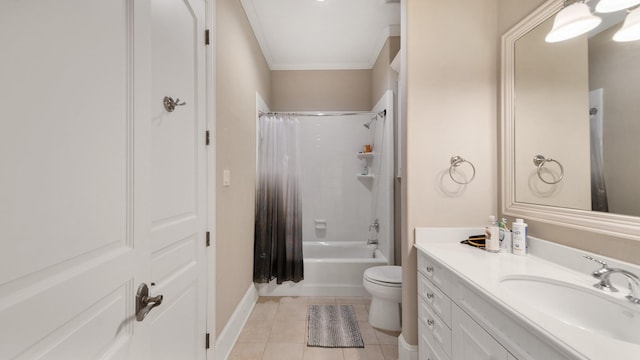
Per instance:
(607,6)
(574,20)
(630,30)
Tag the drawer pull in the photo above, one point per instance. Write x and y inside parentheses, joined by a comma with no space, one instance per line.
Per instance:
(429,268)
(429,296)
(430,322)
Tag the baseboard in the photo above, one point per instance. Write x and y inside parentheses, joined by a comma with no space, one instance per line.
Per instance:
(304,289)
(231,331)
(405,350)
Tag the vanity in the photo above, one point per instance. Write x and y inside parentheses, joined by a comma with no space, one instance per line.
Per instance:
(543,306)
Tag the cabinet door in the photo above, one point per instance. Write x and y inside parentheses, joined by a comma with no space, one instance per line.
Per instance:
(471,342)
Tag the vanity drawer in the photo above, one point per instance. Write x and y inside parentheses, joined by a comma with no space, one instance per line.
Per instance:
(435,272)
(435,299)
(435,331)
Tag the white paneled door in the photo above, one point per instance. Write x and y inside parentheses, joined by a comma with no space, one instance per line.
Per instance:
(101,187)
(178,191)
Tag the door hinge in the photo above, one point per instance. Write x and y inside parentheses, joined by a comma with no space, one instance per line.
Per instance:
(208,238)
(207,343)
(207,139)
(206,37)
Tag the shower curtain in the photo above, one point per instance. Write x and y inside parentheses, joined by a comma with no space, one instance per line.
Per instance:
(598,189)
(278,225)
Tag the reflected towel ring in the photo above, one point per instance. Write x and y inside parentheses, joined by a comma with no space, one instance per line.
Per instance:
(539,161)
(457,161)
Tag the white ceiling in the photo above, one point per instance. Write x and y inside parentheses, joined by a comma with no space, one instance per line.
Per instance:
(322,35)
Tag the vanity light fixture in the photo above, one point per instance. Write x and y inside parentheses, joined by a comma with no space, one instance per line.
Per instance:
(630,30)
(573,20)
(607,6)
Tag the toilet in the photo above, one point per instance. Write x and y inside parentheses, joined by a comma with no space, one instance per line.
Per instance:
(384,283)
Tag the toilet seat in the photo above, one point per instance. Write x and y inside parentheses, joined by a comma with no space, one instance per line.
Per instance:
(390,276)
(384,284)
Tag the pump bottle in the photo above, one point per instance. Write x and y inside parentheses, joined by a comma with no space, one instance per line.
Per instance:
(520,241)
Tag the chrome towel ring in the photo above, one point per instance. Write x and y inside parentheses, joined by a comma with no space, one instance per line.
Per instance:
(539,161)
(456,161)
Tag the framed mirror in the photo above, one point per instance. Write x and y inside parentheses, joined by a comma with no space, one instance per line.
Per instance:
(570,124)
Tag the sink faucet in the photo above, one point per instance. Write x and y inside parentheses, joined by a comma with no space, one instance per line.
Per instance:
(599,272)
(605,284)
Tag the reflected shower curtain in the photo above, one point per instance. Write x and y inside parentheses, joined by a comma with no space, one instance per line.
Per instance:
(278,226)
(598,189)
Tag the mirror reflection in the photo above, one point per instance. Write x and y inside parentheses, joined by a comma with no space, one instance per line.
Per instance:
(577,104)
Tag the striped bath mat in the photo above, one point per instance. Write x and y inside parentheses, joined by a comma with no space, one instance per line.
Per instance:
(333,326)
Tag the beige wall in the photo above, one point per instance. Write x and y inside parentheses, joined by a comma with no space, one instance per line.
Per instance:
(509,13)
(241,71)
(382,77)
(613,67)
(451,110)
(318,90)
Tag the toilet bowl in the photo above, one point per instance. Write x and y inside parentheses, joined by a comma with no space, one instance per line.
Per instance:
(384,283)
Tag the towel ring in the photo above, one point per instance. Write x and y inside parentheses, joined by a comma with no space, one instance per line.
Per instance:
(457,161)
(539,161)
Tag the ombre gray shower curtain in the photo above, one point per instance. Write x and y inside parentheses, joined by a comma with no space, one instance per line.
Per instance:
(278,226)
(599,200)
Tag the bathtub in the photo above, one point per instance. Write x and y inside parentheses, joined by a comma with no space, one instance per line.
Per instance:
(330,269)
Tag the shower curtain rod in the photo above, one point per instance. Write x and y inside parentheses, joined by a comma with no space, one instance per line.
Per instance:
(382,113)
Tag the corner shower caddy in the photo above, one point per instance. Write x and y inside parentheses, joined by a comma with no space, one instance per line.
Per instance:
(366,156)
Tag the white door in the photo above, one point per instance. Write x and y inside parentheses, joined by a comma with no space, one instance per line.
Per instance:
(179,197)
(84,218)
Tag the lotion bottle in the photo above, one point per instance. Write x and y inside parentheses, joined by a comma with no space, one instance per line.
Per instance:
(492,240)
(520,242)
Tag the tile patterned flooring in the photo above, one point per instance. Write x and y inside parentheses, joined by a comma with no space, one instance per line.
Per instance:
(277,330)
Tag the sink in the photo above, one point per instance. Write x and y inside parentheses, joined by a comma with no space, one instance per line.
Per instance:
(591,310)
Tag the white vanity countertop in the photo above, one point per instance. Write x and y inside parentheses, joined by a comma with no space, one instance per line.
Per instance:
(484,271)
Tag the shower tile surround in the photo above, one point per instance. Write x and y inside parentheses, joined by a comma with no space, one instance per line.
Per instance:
(328,167)
(277,329)
(332,194)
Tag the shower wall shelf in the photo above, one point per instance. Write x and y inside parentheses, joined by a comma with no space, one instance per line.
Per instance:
(365,155)
(367,176)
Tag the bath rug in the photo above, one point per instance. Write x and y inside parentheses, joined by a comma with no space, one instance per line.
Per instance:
(333,326)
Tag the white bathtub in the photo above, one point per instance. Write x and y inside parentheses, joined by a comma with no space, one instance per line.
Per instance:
(330,269)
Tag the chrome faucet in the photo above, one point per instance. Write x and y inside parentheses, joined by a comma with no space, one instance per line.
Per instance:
(605,284)
(375,225)
(599,272)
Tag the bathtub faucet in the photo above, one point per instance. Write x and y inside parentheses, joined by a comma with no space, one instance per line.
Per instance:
(376,226)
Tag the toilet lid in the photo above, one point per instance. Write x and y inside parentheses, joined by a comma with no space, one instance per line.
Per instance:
(384,274)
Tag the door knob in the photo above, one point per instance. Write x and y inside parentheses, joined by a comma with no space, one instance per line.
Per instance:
(170,104)
(144,303)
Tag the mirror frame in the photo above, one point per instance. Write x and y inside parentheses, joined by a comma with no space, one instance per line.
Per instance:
(598,222)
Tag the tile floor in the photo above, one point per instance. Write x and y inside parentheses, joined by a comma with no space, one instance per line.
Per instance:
(277,329)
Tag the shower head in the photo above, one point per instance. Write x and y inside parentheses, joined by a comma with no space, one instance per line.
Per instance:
(368,124)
